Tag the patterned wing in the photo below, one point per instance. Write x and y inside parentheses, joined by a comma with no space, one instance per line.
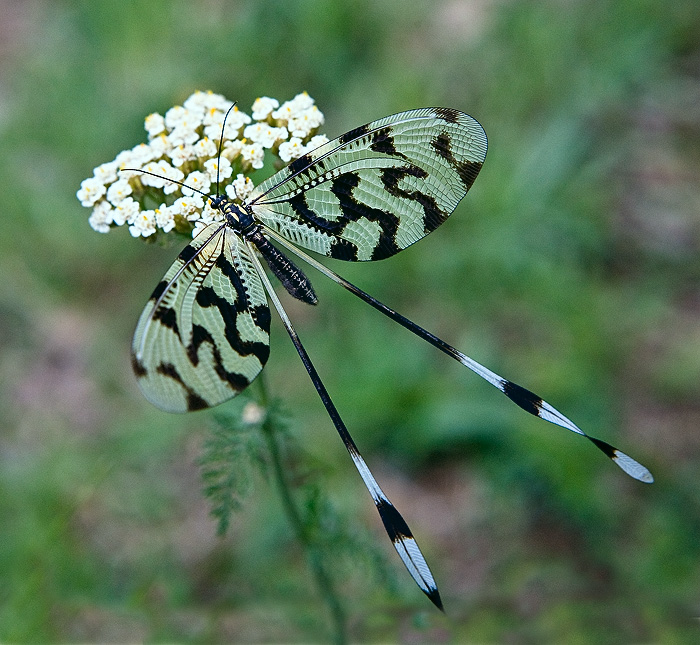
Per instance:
(204,334)
(378,188)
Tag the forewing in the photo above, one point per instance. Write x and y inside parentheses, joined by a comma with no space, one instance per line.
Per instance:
(378,188)
(204,334)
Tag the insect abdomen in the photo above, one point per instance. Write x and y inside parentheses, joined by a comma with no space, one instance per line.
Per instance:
(288,273)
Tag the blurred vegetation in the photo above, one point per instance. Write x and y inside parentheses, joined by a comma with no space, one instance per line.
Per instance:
(572,267)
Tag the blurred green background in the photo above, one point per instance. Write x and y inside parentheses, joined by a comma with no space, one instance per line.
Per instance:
(572,267)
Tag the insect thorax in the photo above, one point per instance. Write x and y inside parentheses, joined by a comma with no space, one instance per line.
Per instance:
(239,218)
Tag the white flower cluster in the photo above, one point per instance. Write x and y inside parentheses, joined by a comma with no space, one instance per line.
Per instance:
(181,155)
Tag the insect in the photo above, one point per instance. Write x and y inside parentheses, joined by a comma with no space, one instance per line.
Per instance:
(203,337)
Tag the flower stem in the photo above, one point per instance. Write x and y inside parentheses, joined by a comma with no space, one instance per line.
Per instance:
(314,554)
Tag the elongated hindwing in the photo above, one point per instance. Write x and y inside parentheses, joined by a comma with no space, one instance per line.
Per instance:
(204,334)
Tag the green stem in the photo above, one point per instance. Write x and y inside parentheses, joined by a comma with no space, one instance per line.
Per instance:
(323,580)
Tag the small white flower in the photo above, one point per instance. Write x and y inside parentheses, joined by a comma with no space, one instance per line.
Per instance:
(280,135)
(144,224)
(283,113)
(293,109)
(128,174)
(125,212)
(186,118)
(303,124)
(299,128)
(196,181)
(161,146)
(252,132)
(254,154)
(302,101)
(240,187)
(205,148)
(165,218)
(189,207)
(316,142)
(106,172)
(252,413)
(264,134)
(182,153)
(183,134)
(154,124)
(197,100)
(291,149)
(118,191)
(213,131)
(126,159)
(152,180)
(263,106)
(175,116)
(213,117)
(101,217)
(232,149)
(90,191)
(236,120)
(224,169)
(206,101)
(209,215)
(176,176)
(166,178)
(141,154)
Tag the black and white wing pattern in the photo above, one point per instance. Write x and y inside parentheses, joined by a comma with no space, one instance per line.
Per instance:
(204,334)
(376,189)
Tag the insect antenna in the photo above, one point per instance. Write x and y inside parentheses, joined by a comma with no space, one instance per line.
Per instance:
(221,144)
(174,181)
